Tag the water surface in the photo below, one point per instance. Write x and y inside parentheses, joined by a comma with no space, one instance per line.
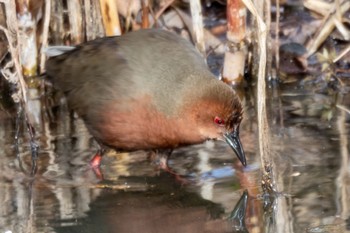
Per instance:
(310,152)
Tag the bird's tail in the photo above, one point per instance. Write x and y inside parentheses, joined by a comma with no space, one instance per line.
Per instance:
(54,51)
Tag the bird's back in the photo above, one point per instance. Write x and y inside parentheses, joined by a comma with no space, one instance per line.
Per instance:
(146,61)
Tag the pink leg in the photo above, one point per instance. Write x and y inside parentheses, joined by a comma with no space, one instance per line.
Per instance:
(96,160)
(95,164)
(161,160)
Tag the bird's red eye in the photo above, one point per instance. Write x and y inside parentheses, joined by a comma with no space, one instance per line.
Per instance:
(219,121)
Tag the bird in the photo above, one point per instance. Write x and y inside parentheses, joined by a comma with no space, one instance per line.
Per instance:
(145,90)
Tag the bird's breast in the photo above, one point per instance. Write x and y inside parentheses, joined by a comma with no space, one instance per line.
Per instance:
(142,126)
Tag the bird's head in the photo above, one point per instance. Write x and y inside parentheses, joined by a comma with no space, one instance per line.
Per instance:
(218,115)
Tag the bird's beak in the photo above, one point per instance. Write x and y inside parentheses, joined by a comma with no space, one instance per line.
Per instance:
(235,143)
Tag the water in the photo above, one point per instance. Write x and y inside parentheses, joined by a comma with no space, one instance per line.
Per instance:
(310,144)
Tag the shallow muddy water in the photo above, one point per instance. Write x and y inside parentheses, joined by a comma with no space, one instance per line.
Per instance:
(310,144)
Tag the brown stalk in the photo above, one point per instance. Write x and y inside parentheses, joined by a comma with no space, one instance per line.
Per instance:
(234,61)
(145,13)
(110,17)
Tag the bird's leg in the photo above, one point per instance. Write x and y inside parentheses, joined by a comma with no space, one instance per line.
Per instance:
(95,162)
(161,159)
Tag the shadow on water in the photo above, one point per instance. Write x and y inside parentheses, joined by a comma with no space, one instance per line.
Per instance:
(310,146)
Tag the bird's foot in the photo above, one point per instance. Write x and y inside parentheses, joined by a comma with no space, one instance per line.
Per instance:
(180,179)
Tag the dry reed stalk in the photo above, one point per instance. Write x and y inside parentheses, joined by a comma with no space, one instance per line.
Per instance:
(11,34)
(343,108)
(88,20)
(45,34)
(338,9)
(342,181)
(128,17)
(162,9)
(75,16)
(327,27)
(277,36)
(197,22)
(268,179)
(93,20)
(319,6)
(57,27)
(267,19)
(13,73)
(342,54)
